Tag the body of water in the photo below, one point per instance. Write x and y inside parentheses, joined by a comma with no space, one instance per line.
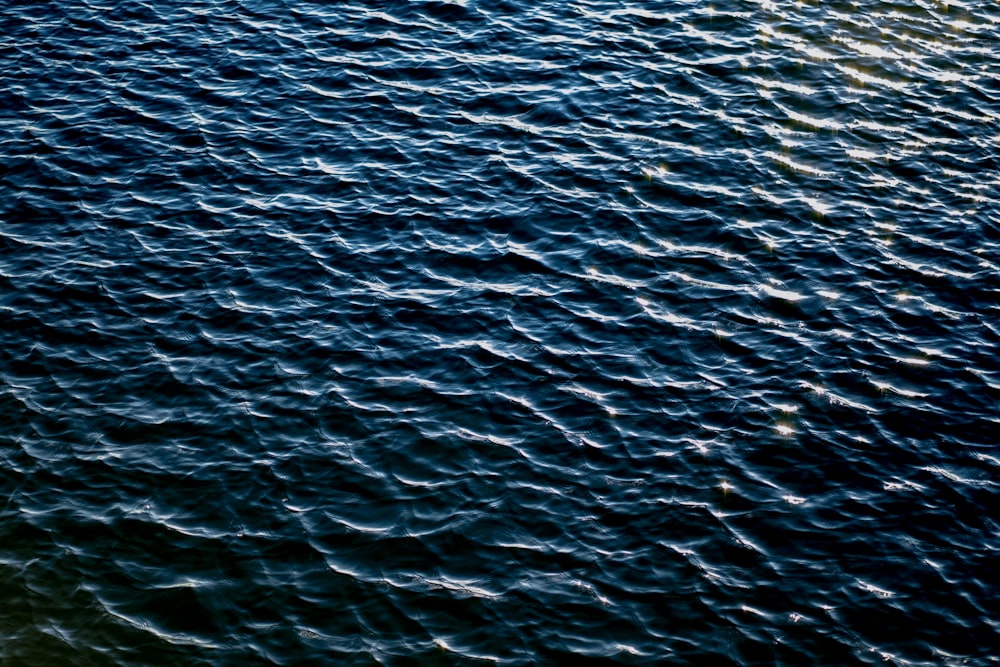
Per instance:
(458,333)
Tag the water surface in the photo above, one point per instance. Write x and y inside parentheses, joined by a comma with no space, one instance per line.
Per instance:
(473,332)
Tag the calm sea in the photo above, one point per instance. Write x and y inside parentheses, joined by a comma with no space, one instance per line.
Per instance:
(475,332)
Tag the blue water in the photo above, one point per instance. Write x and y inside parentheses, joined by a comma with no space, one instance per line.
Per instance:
(459,333)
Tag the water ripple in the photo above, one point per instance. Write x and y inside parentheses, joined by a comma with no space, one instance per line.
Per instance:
(441,332)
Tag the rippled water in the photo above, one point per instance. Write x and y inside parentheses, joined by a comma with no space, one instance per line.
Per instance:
(440,332)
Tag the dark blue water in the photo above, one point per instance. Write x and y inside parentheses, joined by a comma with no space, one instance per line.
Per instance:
(461,332)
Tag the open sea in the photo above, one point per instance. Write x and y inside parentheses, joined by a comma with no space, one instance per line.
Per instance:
(468,332)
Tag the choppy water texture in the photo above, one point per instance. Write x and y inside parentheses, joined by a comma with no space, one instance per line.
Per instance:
(448,333)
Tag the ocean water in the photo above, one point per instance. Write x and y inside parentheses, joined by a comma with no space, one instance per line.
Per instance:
(462,332)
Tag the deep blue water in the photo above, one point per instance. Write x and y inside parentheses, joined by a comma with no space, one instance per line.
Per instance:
(458,333)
